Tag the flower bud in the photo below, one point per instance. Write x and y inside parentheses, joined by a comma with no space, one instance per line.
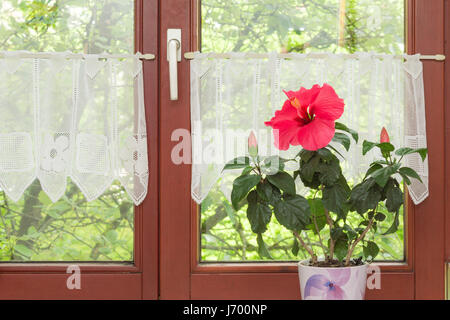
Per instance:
(252,145)
(384,137)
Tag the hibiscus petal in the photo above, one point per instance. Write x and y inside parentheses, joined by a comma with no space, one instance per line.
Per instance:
(308,96)
(287,112)
(286,122)
(285,133)
(304,96)
(316,134)
(327,104)
(315,283)
(336,293)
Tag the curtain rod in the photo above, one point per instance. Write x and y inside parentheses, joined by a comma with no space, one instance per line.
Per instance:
(46,55)
(190,56)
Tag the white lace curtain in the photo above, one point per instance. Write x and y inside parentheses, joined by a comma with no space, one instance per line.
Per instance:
(232,96)
(69,117)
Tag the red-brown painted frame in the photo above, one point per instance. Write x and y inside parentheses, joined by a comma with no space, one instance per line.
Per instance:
(421,276)
(137,280)
(447,131)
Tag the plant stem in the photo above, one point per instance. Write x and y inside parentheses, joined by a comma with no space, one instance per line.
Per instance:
(309,250)
(332,242)
(359,239)
(320,238)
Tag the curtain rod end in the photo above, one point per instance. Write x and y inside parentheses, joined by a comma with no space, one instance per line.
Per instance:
(147,56)
(189,55)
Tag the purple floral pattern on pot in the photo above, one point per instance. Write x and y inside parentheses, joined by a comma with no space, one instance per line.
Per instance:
(348,283)
(329,287)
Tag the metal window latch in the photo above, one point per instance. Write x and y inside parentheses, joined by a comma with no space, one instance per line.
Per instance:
(173,56)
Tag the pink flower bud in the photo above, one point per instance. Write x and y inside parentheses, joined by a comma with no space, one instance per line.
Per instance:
(252,145)
(384,137)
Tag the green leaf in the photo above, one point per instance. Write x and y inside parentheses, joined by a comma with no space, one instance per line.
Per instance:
(31,230)
(343,127)
(371,250)
(230,213)
(273,164)
(111,235)
(382,175)
(306,155)
(308,169)
(247,170)
(241,186)
(365,196)
(316,207)
(44,199)
(53,213)
(423,153)
(341,248)
(335,150)
(318,213)
(405,178)
(337,233)
(394,227)
(343,139)
(334,199)
(404,151)
(283,181)
(23,250)
(367,146)
(394,198)
(258,213)
(351,234)
(262,248)
(326,154)
(372,169)
(264,190)
(237,163)
(410,173)
(293,212)
(329,173)
(380,216)
(386,147)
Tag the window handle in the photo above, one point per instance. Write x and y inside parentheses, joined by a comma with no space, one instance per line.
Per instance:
(173,56)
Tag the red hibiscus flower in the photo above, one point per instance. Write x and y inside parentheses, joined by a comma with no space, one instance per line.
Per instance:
(307,118)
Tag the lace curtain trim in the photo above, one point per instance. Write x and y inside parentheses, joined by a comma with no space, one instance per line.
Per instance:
(78,118)
(231,97)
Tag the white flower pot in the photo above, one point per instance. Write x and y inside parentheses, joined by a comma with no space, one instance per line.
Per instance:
(346,283)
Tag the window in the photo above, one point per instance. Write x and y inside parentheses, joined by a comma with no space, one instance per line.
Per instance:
(291,26)
(72,229)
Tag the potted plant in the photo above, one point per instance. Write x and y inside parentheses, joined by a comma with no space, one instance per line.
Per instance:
(308,118)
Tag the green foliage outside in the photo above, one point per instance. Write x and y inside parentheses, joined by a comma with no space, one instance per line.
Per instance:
(292,26)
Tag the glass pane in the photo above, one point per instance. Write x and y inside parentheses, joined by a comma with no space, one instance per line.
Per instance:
(303,26)
(338,26)
(72,229)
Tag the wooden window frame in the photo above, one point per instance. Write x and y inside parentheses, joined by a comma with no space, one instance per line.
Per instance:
(166,247)
(136,280)
(421,276)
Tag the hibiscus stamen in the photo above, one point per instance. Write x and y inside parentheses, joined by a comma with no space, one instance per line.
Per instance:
(295,103)
(310,114)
